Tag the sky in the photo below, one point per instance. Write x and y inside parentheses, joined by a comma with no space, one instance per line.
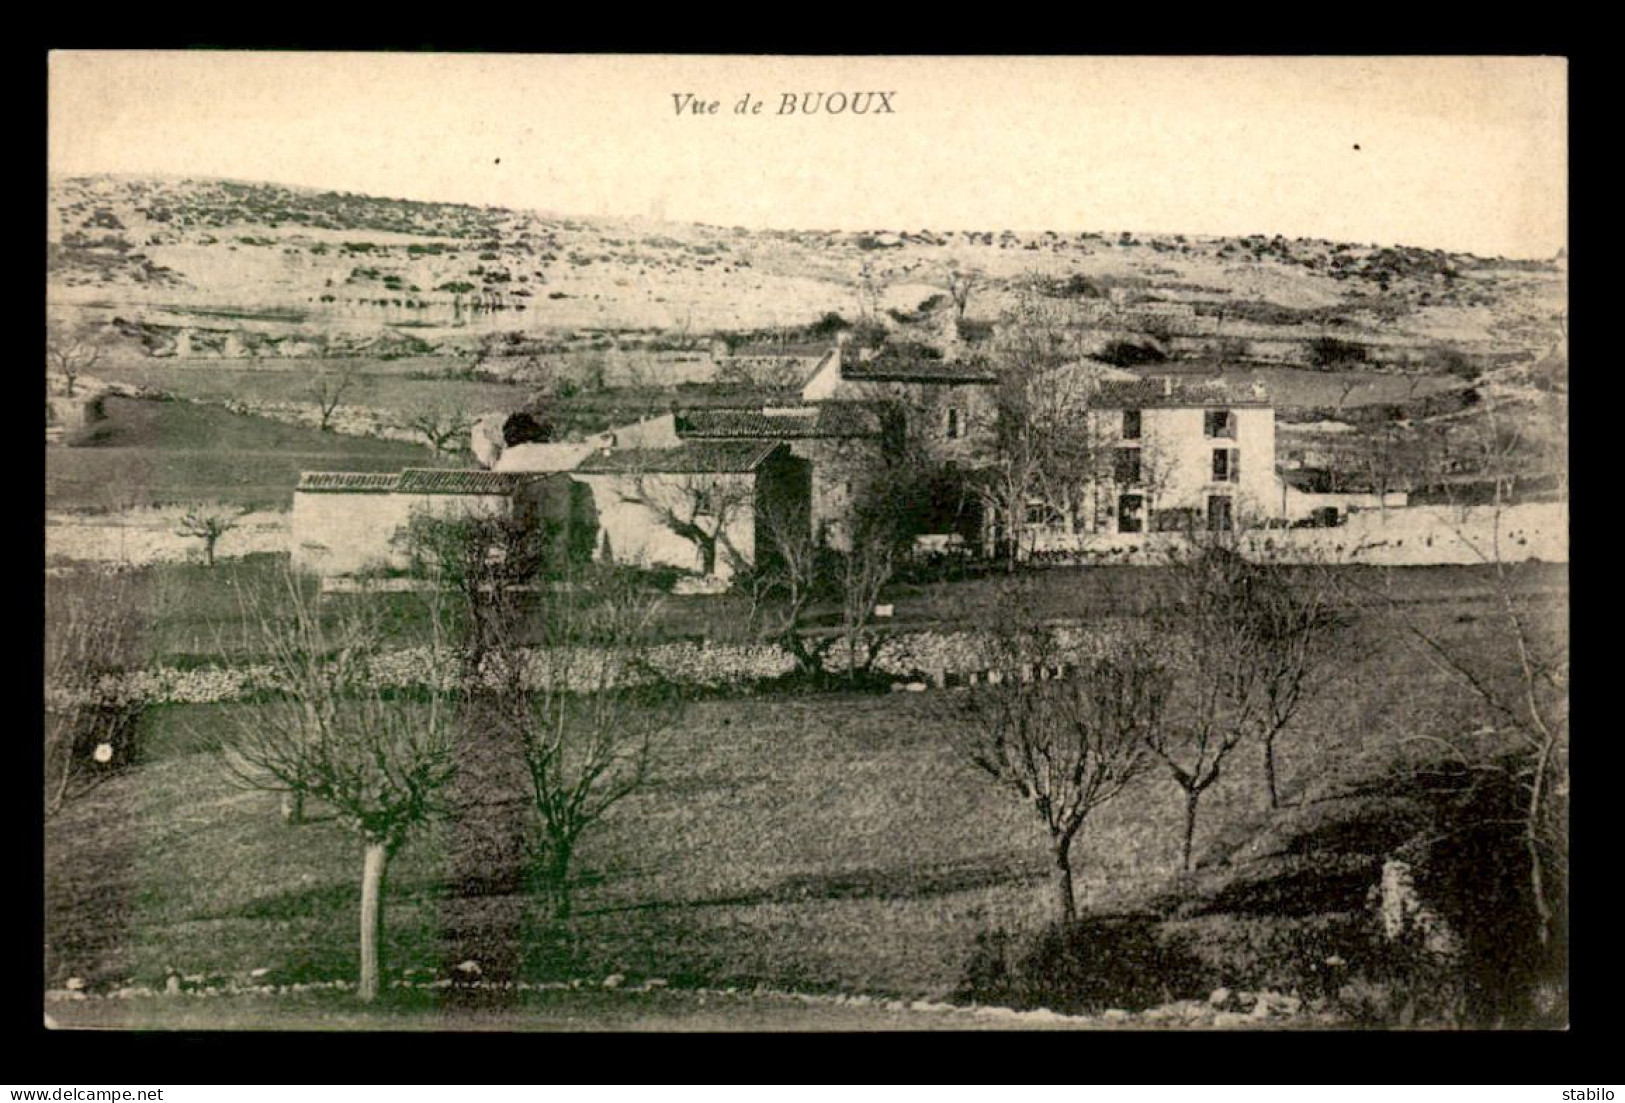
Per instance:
(1466,154)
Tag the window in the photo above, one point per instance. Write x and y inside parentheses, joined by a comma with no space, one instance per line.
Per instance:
(1041,514)
(1227,465)
(953,428)
(1220,513)
(1130,513)
(1220,423)
(1131,425)
(1126,468)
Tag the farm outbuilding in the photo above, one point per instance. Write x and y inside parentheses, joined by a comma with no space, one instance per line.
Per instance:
(703,506)
(346,522)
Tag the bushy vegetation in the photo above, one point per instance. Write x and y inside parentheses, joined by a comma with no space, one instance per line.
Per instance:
(1095,964)
(1128,354)
(1332,353)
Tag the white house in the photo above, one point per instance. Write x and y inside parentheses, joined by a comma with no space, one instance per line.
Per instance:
(1175,456)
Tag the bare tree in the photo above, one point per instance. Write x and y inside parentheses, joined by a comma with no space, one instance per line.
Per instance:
(1243,645)
(484,560)
(209,524)
(1520,668)
(329,388)
(700,507)
(1350,384)
(796,571)
(587,713)
(860,574)
(333,732)
(1293,621)
(1066,745)
(871,290)
(444,427)
(91,632)
(73,349)
(962,283)
(1041,449)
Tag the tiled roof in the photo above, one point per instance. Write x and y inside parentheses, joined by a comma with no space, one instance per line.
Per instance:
(348,482)
(696,457)
(805,351)
(1140,393)
(828,419)
(422,480)
(888,370)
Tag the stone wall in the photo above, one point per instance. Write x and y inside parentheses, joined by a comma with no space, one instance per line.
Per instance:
(1412,536)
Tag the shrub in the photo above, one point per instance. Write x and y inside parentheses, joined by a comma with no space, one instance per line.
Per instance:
(1097,963)
(1126,354)
(1332,352)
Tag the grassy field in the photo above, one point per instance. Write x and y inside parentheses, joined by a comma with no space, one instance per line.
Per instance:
(391,385)
(819,843)
(159,453)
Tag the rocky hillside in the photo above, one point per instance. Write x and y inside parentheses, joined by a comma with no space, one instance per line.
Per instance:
(211,268)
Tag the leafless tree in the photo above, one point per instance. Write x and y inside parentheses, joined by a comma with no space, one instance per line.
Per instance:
(1522,676)
(333,732)
(444,427)
(962,283)
(871,290)
(73,349)
(587,712)
(795,572)
(700,507)
(209,524)
(1293,620)
(329,388)
(91,631)
(1041,448)
(1244,647)
(483,560)
(1069,744)
(861,572)
(1350,384)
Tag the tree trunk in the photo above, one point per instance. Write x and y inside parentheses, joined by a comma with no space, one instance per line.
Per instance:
(374,863)
(708,556)
(1012,542)
(293,808)
(1532,824)
(1063,882)
(1269,772)
(560,875)
(1192,796)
